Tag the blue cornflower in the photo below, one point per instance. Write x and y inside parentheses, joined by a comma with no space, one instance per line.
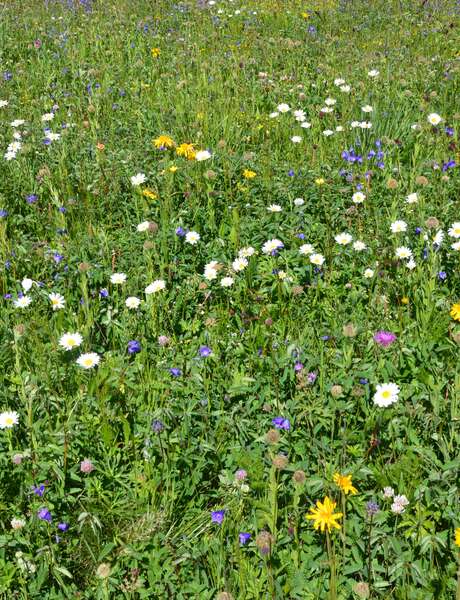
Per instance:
(44,515)
(205,351)
(281,423)
(134,347)
(217,516)
(244,538)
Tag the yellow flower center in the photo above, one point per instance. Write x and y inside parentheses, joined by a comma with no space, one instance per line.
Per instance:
(386,394)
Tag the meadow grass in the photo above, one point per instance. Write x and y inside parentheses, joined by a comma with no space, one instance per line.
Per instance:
(176,449)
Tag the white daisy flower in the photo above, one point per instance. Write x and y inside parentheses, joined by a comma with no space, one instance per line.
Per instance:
(454,230)
(3,103)
(273,115)
(339,128)
(143,226)
(359,246)
(412,198)
(132,302)
(272,245)
(246,252)
(386,394)
(317,259)
(57,301)
(88,360)
(239,264)
(192,237)
(26,284)
(434,119)
(345,88)
(358,197)
(403,252)
(22,302)
(398,227)
(367,108)
(138,179)
(456,246)
(274,208)
(306,249)
(17,123)
(283,108)
(411,264)
(328,132)
(330,101)
(156,286)
(373,73)
(296,139)
(69,341)
(202,155)
(368,274)
(306,125)
(210,270)
(338,82)
(438,238)
(8,419)
(343,238)
(227,281)
(118,278)
(47,117)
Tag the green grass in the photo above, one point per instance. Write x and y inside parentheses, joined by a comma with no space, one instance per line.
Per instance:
(165,448)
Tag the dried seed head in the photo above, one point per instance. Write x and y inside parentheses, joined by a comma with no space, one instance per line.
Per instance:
(350,330)
(272,436)
(280,462)
(299,477)
(336,391)
(432,223)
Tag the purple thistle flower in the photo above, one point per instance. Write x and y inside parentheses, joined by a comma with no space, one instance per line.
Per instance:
(217,516)
(384,338)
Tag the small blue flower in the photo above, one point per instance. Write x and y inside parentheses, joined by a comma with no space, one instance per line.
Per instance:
(281,423)
(134,347)
(44,515)
(244,538)
(217,516)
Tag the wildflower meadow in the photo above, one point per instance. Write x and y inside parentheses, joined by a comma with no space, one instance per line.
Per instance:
(230,299)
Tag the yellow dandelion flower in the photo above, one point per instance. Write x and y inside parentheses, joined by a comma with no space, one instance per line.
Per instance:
(455,312)
(247,174)
(186,150)
(149,194)
(404,300)
(345,483)
(155,52)
(323,515)
(163,141)
(457,536)
(172,169)
(320,181)
(305,15)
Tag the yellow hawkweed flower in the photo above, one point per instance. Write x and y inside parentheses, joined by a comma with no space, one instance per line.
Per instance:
(187,150)
(320,181)
(305,15)
(455,312)
(172,169)
(323,515)
(247,174)
(404,300)
(457,536)
(149,194)
(163,141)
(345,484)
(155,52)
